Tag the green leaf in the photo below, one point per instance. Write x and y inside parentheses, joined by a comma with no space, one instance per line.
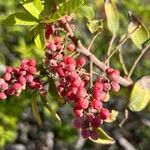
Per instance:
(104,138)
(47,10)
(34,7)
(54,91)
(53,113)
(36,111)
(39,36)
(87,11)
(112,16)
(140,95)
(66,8)
(20,18)
(138,32)
(95,26)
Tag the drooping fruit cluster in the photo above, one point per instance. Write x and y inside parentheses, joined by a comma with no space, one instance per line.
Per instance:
(16,79)
(73,84)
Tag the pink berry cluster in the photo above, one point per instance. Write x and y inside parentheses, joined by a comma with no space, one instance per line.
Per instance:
(73,84)
(15,79)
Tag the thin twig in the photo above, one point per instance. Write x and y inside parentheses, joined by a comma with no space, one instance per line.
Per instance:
(93,40)
(120,44)
(126,113)
(110,46)
(137,60)
(117,48)
(122,61)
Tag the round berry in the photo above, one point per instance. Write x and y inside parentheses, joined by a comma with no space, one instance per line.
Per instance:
(115,86)
(77,122)
(71,47)
(82,103)
(85,133)
(2,96)
(96,104)
(104,114)
(94,135)
(9,69)
(81,61)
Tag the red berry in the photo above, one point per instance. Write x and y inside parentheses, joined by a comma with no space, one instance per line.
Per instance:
(81,92)
(77,122)
(17,86)
(22,80)
(96,104)
(115,86)
(32,62)
(49,30)
(78,111)
(24,66)
(2,96)
(104,114)
(85,133)
(81,61)
(22,72)
(10,91)
(98,87)
(7,77)
(94,135)
(4,86)
(95,122)
(114,76)
(29,78)
(32,70)
(60,72)
(2,81)
(57,40)
(109,70)
(51,46)
(82,103)
(71,47)
(9,69)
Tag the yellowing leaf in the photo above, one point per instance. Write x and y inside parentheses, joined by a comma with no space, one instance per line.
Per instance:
(140,95)
(113,116)
(112,16)
(34,7)
(95,26)
(104,138)
(138,33)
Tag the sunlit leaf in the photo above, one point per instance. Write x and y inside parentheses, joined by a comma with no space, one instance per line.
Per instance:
(140,95)
(112,16)
(20,18)
(66,8)
(87,11)
(39,36)
(138,32)
(104,138)
(34,7)
(95,26)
